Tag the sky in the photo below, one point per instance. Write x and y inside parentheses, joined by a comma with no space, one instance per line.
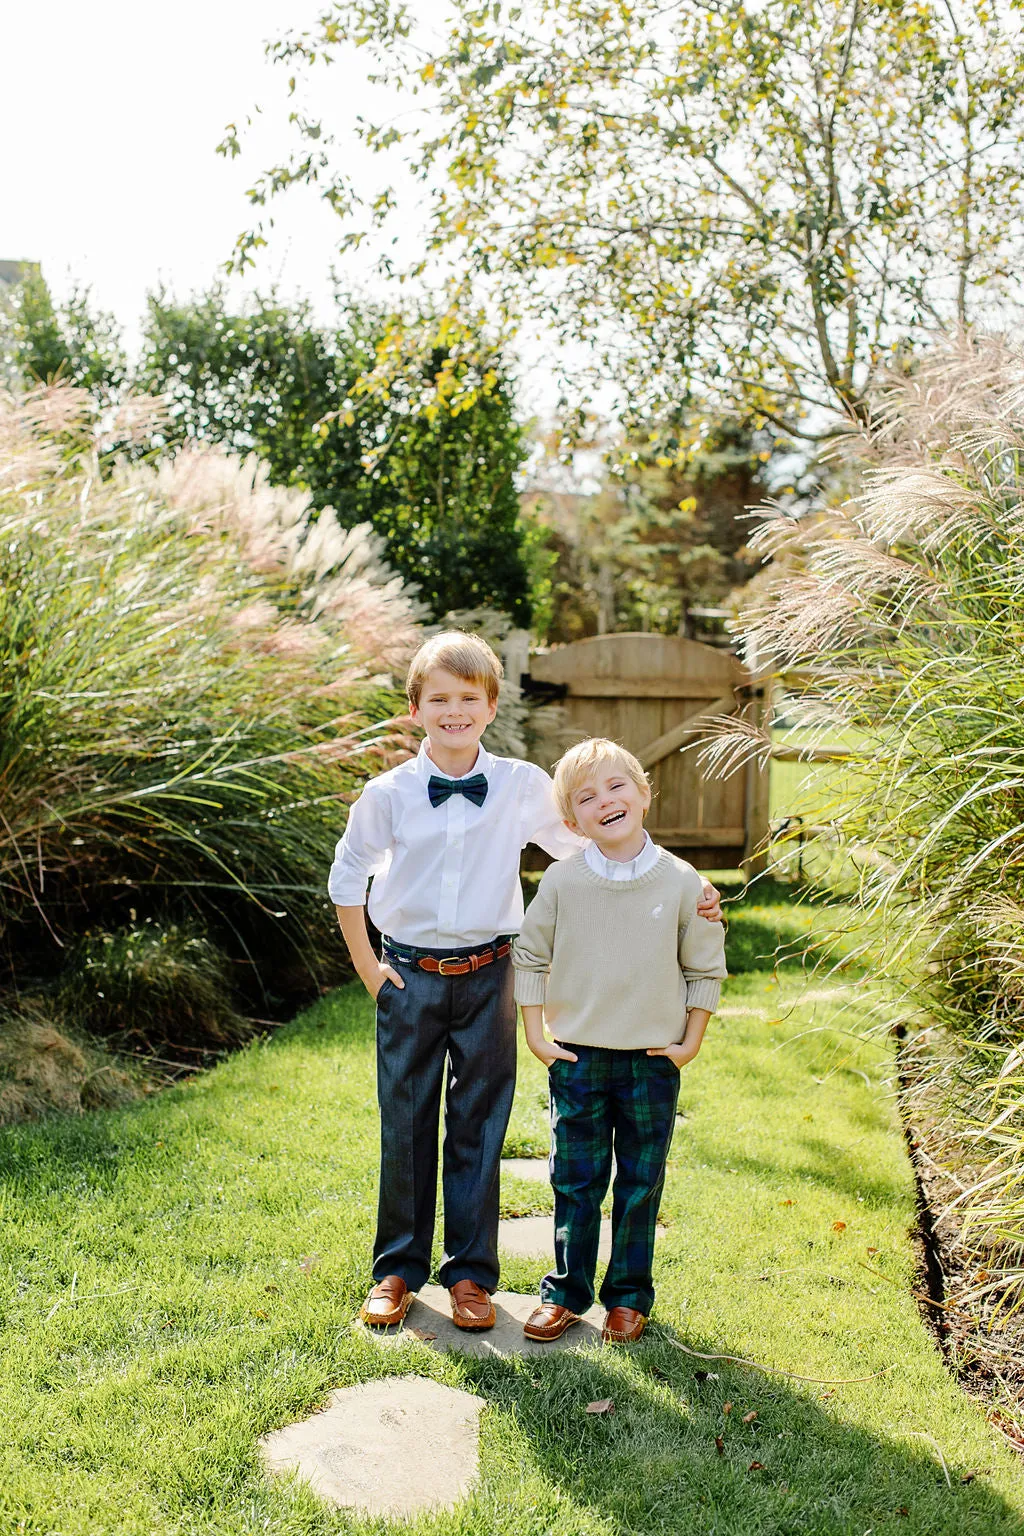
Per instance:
(110,114)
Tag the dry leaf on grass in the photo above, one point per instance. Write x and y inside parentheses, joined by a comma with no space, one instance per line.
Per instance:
(719,1445)
(756,1466)
(422,1333)
(727,1408)
(602,1405)
(748,1418)
(839,1226)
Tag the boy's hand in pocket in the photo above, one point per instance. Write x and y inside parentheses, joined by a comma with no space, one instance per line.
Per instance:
(693,1035)
(385,973)
(547,1051)
(544,1049)
(680,1054)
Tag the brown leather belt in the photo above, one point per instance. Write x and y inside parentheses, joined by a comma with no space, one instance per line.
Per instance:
(460,965)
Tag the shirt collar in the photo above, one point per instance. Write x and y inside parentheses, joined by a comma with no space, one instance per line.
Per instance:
(425,764)
(612,869)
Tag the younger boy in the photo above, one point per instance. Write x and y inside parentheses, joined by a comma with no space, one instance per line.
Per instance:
(441,836)
(615,957)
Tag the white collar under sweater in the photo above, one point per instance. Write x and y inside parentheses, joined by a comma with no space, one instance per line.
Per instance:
(619,869)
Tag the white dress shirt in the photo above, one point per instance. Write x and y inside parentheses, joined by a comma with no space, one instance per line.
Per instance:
(623,869)
(447,875)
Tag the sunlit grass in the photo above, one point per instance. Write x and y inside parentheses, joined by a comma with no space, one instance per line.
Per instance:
(178,1278)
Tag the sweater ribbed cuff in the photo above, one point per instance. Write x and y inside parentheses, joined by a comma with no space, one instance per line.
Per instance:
(531,988)
(704,993)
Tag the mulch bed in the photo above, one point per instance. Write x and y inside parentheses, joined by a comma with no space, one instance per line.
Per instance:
(981,1339)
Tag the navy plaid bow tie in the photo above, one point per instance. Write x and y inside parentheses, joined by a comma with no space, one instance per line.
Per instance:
(474,789)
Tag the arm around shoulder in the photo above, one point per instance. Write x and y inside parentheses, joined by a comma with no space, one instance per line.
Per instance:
(542,823)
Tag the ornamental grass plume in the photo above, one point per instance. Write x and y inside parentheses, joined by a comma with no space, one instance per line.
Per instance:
(338,576)
(195,678)
(902,615)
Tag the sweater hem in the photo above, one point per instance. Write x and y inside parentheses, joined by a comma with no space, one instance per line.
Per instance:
(624,1046)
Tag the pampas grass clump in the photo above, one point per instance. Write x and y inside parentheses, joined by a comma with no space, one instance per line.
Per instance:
(196,676)
(904,610)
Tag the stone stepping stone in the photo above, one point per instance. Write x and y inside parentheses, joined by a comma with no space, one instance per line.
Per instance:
(526,1168)
(392,1447)
(532,1237)
(430,1320)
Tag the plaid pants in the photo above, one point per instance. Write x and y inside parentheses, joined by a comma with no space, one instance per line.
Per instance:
(608,1100)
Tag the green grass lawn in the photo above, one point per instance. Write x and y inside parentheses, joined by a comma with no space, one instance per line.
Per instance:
(179,1277)
(809,795)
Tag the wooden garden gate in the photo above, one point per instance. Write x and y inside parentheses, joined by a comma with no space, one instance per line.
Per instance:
(646,691)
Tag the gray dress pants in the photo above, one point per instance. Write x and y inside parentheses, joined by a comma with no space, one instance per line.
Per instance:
(458,1032)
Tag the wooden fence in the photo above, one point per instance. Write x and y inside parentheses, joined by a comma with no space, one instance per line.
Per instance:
(649,692)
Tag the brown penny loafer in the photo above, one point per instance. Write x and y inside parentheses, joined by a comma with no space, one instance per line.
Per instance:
(387,1303)
(471,1305)
(623,1325)
(548,1321)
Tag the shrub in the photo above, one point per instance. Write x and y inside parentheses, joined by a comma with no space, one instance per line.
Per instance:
(905,608)
(151,984)
(195,678)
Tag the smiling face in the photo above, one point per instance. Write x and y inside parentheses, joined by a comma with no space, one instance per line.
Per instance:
(454,712)
(609,807)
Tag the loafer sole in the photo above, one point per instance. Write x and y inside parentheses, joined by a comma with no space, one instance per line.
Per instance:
(547,1335)
(473,1324)
(612,1336)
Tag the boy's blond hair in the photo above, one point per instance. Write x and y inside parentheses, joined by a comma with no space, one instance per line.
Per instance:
(468,656)
(574,766)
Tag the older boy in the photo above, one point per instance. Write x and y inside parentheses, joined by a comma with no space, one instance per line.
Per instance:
(441,835)
(615,955)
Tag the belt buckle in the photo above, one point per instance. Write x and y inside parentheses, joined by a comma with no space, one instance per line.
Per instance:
(449,960)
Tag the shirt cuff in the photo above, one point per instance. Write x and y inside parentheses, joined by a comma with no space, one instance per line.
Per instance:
(531,988)
(704,992)
(345,888)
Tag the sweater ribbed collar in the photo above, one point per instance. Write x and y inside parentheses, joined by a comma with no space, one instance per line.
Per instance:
(580,863)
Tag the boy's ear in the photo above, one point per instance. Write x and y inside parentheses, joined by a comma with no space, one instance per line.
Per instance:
(573,828)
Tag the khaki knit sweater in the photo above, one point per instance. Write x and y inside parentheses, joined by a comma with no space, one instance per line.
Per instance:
(618,962)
